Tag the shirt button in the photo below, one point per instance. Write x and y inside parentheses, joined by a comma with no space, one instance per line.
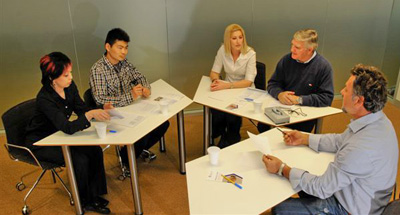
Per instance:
(66,106)
(67,116)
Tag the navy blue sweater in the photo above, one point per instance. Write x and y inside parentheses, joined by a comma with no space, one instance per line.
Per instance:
(312,81)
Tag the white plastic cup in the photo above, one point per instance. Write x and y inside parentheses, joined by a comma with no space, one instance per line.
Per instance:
(163,107)
(257,106)
(101,128)
(213,154)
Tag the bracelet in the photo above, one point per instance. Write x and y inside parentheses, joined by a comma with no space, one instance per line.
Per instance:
(280,172)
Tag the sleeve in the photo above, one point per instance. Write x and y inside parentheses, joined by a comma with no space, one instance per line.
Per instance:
(251,69)
(218,62)
(56,116)
(346,168)
(136,77)
(325,142)
(324,95)
(275,83)
(98,84)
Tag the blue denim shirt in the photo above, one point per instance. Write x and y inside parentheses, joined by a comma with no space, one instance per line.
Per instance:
(363,173)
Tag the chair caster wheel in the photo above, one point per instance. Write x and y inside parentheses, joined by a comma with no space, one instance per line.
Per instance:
(25,210)
(121,177)
(20,186)
(71,202)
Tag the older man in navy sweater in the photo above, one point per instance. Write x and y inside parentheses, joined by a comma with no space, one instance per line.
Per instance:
(302,77)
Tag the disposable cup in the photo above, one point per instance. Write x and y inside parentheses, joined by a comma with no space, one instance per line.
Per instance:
(101,128)
(213,154)
(164,107)
(257,106)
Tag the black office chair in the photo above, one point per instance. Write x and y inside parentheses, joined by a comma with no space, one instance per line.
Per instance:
(15,121)
(90,102)
(394,206)
(260,80)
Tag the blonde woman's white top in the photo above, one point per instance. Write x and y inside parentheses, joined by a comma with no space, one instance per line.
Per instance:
(243,69)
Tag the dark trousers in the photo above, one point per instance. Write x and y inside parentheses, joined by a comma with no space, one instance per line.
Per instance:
(88,166)
(306,126)
(145,142)
(227,126)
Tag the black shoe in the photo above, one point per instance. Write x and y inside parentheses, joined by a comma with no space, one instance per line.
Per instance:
(97,208)
(147,155)
(101,201)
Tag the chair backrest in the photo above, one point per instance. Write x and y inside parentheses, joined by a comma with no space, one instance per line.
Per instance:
(392,208)
(16,119)
(88,98)
(260,80)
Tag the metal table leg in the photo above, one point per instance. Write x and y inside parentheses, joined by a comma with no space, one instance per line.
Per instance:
(71,176)
(318,126)
(207,128)
(134,180)
(181,141)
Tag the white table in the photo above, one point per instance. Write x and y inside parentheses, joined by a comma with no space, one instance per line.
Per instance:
(261,190)
(124,136)
(209,99)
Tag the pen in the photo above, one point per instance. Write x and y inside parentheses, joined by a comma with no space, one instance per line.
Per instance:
(281,130)
(112,131)
(234,183)
(248,99)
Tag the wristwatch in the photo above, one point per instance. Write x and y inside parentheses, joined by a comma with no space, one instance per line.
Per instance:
(281,169)
(300,100)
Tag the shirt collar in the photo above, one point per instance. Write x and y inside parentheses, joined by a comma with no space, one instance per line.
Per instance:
(110,65)
(312,57)
(357,124)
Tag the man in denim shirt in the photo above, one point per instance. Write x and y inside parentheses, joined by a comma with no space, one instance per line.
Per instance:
(361,177)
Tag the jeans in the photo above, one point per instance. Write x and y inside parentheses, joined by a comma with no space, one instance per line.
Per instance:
(309,205)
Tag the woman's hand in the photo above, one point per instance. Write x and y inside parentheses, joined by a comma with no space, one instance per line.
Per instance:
(98,114)
(219,85)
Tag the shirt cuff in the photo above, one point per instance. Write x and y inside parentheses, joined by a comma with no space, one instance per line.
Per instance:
(313,141)
(295,178)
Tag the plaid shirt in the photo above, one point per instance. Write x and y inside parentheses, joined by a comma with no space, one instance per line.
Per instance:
(113,83)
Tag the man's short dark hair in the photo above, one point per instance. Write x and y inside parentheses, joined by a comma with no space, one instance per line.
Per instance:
(372,85)
(116,34)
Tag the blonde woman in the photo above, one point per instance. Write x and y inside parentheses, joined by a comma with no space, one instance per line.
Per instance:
(239,63)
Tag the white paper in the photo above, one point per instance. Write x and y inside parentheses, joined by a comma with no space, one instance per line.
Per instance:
(115,114)
(252,94)
(261,143)
(142,106)
(214,176)
(129,119)
(272,102)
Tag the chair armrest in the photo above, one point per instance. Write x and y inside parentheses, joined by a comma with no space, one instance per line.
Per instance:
(8,145)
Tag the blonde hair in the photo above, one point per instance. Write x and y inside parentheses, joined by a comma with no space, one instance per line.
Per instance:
(227,38)
(309,36)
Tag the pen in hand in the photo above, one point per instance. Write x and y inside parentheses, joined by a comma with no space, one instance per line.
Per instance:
(281,130)
(230,181)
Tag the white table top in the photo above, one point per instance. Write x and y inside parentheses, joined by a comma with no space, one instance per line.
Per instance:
(261,190)
(205,97)
(124,135)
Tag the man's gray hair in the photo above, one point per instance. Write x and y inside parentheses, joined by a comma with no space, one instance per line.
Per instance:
(372,85)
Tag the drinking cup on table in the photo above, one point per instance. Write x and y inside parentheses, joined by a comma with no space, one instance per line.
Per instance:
(213,154)
(164,107)
(257,105)
(101,128)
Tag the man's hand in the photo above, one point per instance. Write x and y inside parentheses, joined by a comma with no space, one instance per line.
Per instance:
(295,138)
(146,92)
(137,91)
(272,163)
(219,85)
(108,106)
(286,97)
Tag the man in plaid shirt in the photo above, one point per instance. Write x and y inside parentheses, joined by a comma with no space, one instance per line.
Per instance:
(114,80)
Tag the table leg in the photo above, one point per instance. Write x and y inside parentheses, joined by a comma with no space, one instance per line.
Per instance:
(318,126)
(134,180)
(207,128)
(71,176)
(181,141)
